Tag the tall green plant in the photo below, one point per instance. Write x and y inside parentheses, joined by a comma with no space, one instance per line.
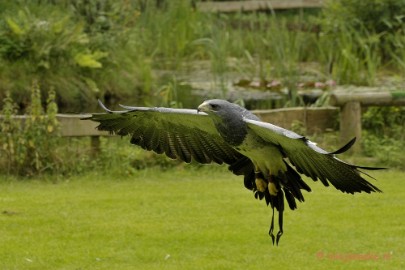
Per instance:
(351,55)
(30,143)
(10,140)
(286,47)
(216,48)
(170,31)
(360,37)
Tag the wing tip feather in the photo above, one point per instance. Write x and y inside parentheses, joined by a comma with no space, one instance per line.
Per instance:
(104,107)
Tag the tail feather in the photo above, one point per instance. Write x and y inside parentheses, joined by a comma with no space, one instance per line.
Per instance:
(290,199)
(292,184)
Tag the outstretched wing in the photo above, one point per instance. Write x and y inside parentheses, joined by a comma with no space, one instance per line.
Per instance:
(179,133)
(312,160)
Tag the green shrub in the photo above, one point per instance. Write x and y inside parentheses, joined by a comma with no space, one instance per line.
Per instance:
(31,145)
(28,144)
(359,37)
(9,139)
(379,16)
(384,135)
(388,121)
(71,46)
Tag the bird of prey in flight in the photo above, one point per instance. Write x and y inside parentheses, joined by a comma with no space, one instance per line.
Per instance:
(269,157)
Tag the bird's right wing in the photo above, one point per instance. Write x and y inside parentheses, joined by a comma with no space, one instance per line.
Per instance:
(312,160)
(179,133)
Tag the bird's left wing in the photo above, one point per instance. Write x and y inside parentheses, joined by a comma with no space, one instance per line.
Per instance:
(312,160)
(179,133)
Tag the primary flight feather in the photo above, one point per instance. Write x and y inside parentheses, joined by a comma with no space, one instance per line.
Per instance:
(223,132)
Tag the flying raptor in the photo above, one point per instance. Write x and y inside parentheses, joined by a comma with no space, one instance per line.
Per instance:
(269,157)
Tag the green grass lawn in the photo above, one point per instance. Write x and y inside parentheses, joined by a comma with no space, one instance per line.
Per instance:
(194,219)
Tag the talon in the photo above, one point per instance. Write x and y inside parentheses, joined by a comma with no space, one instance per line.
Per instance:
(259,181)
(272,236)
(272,188)
(260,184)
(279,234)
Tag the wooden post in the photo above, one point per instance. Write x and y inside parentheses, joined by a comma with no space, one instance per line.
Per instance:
(350,123)
(350,100)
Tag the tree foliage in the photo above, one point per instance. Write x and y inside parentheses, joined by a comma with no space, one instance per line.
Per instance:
(70,46)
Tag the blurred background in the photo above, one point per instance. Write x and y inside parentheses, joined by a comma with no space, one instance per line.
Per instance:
(61,56)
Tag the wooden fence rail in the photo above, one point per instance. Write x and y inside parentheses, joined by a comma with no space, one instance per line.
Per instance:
(313,119)
(346,102)
(253,5)
(351,102)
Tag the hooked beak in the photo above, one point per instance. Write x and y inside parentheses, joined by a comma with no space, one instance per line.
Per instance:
(204,107)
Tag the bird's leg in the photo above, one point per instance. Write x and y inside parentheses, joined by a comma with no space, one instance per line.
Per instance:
(280,224)
(277,202)
(272,224)
(272,186)
(280,216)
(259,181)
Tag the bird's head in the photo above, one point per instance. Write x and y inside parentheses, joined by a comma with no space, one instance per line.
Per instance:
(217,107)
(227,118)
(224,110)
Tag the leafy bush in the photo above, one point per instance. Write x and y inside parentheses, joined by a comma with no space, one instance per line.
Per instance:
(28,144)
(389,121)
(361,36)
(384,135)
(376,16)
(31,145)
(69,46)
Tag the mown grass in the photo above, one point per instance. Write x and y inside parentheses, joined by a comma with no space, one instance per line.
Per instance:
(194,218)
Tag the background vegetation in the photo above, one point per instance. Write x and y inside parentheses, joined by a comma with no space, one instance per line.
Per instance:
(62,55)
(133,49)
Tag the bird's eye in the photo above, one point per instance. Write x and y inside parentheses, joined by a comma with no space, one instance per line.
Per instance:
(214,106)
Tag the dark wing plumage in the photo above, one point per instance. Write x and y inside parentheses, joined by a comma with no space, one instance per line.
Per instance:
(179,133)
(312,160)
